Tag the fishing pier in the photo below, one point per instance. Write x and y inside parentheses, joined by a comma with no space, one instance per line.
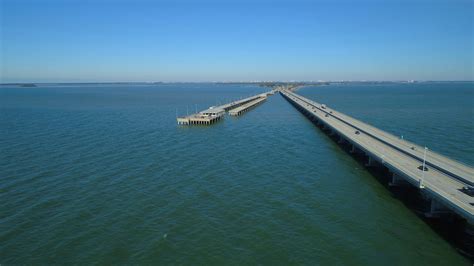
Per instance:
(217,113)
(245,107)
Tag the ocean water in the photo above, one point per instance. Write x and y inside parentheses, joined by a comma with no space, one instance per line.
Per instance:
(101,174)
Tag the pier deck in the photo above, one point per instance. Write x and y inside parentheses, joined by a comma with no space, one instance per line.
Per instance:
(245,107)
(238,103)
(216,113)
(442,183)
(206,117)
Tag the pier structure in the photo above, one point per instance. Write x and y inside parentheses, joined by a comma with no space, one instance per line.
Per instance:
(235,104)
(447,185)
(245,107)
(206,117)
(217,113)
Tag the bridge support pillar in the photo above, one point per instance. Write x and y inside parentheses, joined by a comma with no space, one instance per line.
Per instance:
(436,209)
(353,149)
(369,162)
(341,139)
(397,181)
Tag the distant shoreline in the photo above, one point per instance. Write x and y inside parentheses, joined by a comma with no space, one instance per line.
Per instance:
(257,83)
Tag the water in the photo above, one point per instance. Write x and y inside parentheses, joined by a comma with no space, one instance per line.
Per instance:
(102,174)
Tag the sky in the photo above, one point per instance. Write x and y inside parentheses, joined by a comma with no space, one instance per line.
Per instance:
(128,41)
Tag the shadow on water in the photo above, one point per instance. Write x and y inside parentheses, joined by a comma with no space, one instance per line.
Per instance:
(451,227)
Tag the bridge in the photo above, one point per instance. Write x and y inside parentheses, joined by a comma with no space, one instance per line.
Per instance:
(447,184)
(245,107)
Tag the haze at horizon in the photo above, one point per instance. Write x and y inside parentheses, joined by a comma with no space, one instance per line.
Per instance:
(105,41)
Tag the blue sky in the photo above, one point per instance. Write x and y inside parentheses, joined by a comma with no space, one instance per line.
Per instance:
(105,40)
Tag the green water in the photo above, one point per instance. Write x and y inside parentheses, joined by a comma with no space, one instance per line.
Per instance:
(102,174)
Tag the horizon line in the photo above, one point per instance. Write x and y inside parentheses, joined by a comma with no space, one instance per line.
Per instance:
(232,81)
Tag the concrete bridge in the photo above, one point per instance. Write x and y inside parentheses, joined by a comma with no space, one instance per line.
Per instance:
(245,107)
(447,184)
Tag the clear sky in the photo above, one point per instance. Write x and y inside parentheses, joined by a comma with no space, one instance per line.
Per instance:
(105,40)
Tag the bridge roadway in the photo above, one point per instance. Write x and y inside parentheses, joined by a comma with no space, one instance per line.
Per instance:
(238,103)
(443,181)
(458,170)
(245,107)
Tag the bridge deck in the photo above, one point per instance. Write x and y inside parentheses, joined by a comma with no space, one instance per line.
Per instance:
(243,108)
(238,103)
(442,181)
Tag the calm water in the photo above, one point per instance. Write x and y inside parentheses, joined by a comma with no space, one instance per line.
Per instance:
(102,174)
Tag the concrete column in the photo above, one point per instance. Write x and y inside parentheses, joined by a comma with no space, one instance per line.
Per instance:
(353,149)
(369,162)
(397,181)
(341,139)
(436,209)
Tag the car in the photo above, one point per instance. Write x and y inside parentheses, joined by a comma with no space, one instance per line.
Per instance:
(468,190)
(357,132)
(425,169)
